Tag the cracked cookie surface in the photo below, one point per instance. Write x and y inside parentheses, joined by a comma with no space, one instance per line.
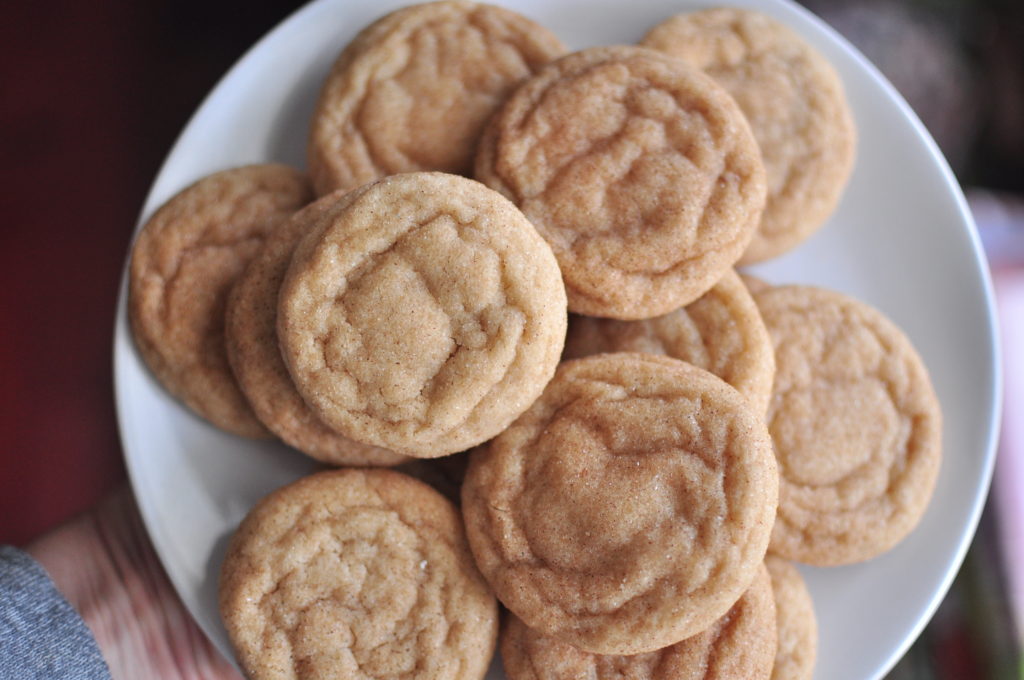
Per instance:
(629,508)
(797,624)
(855,424)
(251,337)
(414,90)
(359,574)
(638,169)
(184,262)
(741,644)
(721,331)
(422,314)
(796,107)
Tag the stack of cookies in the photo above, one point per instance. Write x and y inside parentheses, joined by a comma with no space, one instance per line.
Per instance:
(631,480)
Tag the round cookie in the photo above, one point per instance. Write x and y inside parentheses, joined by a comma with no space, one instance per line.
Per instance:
(797,625)
(796,107)
(721,332)
(356,573)
(184,262)
(629,508)
(414,90)
(741,644)
(422,314)
(640,172)
(855,424)
(251,337)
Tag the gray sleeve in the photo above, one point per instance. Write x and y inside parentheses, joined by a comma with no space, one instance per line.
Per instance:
(42,637)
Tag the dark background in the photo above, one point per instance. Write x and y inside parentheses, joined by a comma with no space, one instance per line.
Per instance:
(92,96)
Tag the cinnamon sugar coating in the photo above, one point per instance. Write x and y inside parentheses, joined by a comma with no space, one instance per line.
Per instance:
(855,424)
(184,262)
(629,508)
(637,168)
(797,624)
(423,313)
(357,574)
(721,331)
(251,335)
(413,90)
(741,644)
(796,107)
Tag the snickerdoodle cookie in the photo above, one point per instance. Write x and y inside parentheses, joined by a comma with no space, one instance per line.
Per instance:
(356,574)
(796,622)
(721,332)
(741,644)
(184,262)
(628,508)
(796,107)
(414,90)
(251,336)
(637,168)
(422,314)
(855,424)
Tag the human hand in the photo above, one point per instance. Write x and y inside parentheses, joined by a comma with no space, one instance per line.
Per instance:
(104,564)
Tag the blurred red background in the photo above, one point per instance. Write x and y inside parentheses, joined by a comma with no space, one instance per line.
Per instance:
(94,95)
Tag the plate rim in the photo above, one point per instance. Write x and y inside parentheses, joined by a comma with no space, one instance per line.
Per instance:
(123,342)
(995,374)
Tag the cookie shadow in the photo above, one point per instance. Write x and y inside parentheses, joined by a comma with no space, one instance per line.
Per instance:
(291,125)
(208,592)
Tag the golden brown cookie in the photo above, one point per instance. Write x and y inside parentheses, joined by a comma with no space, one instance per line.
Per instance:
(721,332)
(640,172)
(629,508)
(423,314)
(741,644)
(414,90)
(797,625)
(356,574)
(855,423)
(796,107)
(251,336)
(184,262)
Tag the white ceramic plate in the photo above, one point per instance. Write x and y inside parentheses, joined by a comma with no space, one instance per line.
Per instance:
(902,240)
